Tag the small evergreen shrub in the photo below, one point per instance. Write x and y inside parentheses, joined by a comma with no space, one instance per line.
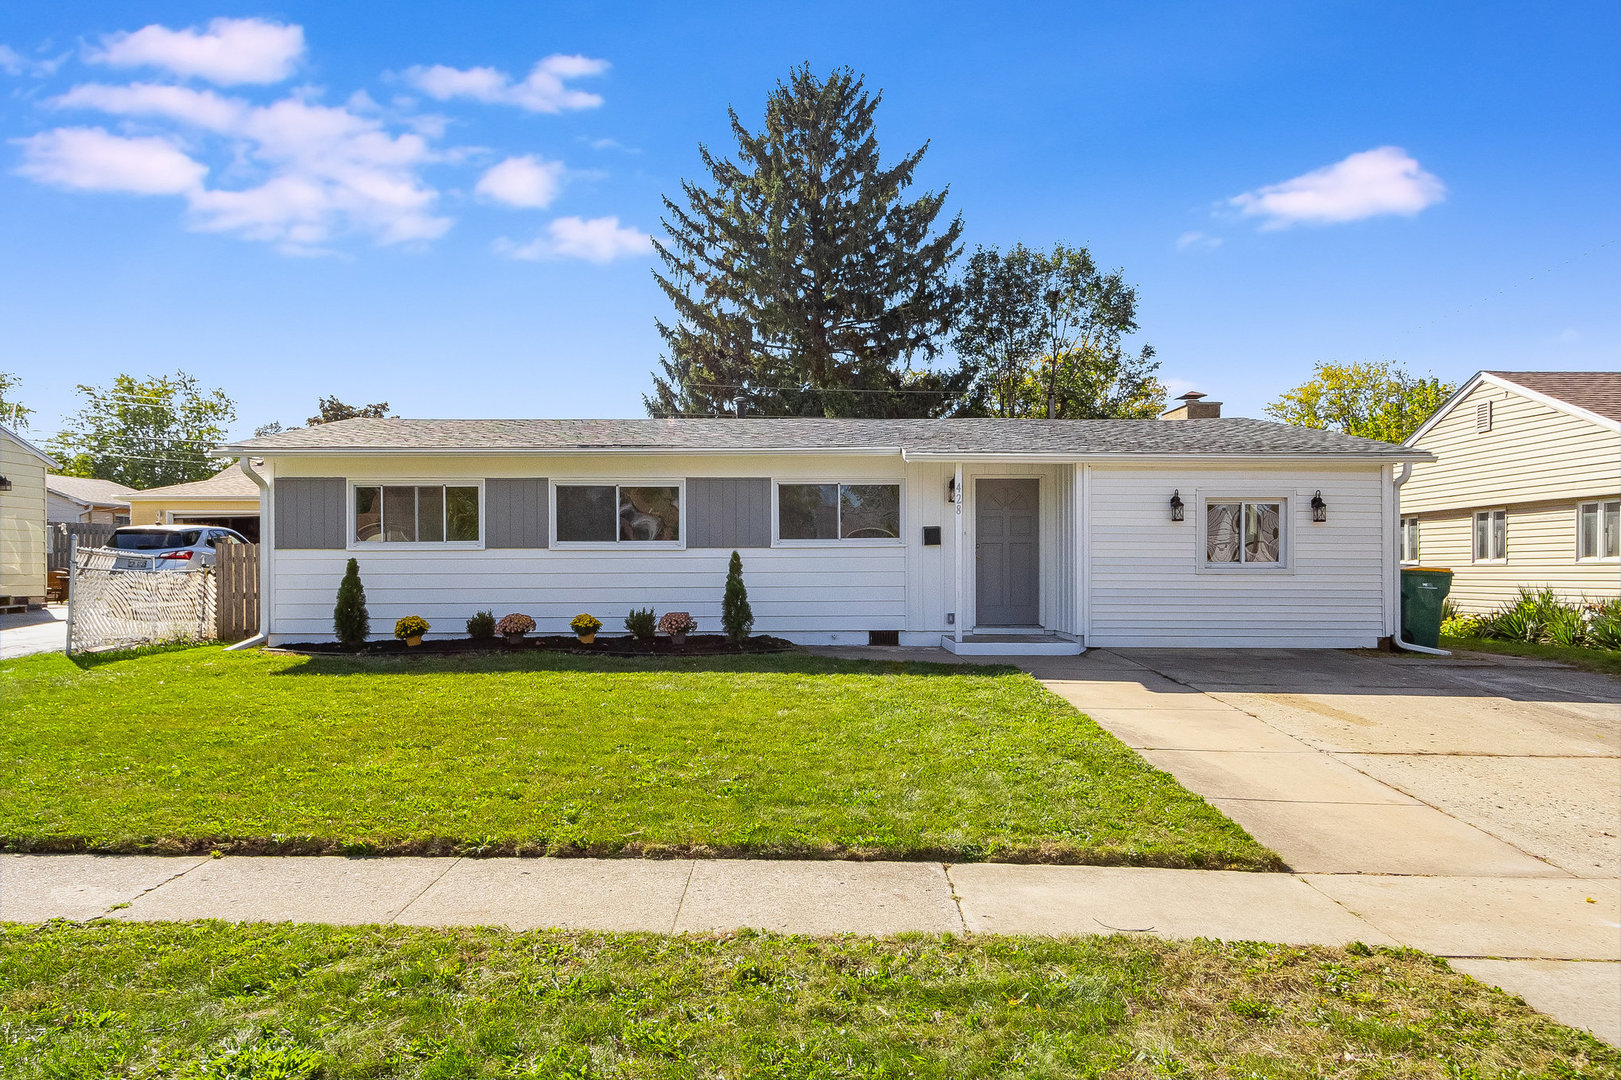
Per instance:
(351,623)
(411,626)
(735,614)
(642,624)
(481,626)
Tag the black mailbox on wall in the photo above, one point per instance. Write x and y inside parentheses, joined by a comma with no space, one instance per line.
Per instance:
(931,536)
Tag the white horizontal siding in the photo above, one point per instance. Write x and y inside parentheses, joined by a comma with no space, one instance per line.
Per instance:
(1541,553)
(791,590)
(1147,588)
(22,523)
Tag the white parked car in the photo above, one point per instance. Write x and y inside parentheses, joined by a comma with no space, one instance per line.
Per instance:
(170,547)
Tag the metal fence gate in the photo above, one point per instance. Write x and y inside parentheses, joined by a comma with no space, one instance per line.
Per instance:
(112,606)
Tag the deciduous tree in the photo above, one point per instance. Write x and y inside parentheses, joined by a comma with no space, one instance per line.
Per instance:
(12,412)
(1375,399)
(805,282)
(333,410)
(145,433)
(1041,333)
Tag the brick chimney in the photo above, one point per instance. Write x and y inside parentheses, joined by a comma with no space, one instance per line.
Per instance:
(1194,407)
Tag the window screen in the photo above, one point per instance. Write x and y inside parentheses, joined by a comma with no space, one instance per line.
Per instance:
(838,511)
(1491,535)
(1599,531)
(606,513)
(416,514)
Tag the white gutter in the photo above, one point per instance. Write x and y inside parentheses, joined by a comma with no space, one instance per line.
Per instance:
(266,549)
(1396,482)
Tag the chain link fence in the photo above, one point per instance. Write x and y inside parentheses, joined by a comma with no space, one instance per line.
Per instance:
(115,602)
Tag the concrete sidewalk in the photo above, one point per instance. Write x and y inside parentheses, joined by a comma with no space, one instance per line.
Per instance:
(1536,937)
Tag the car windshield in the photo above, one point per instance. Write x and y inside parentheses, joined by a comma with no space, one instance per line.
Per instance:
(154,539)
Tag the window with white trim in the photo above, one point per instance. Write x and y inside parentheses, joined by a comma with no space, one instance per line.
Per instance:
(1243,533)
(1491,535)
(1409,539)
(416,514)
(1598,530)
(808,512)
(619,514)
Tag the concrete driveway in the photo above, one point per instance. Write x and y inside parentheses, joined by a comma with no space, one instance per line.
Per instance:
(45,630)
(1472,804)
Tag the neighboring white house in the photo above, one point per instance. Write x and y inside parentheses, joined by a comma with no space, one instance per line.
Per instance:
(81,499)
(1526,488)
(22,520)
(994,535)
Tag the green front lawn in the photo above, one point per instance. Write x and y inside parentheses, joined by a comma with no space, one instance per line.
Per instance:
(297,1002)
(1603,661)
(201,749)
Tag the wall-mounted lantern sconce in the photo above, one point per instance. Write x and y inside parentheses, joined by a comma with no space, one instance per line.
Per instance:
(5,485)
(951,489)
(1319,508)
(1176,505)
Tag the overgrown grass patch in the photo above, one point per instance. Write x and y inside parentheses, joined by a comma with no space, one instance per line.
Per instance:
(788,755)
(295,1002)
(1602,661)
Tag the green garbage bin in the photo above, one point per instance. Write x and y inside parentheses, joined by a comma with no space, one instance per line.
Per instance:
(1422,590)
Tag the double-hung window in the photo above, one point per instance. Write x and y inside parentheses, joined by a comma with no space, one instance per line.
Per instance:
(1409,539)
(1491,535)
(1243,533)
(619,514)
(811,512)
(416,514)
(1598,530)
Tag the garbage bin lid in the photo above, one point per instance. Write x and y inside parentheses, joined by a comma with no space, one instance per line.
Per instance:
(1425,570)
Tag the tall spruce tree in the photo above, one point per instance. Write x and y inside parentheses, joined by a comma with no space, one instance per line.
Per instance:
(804,283)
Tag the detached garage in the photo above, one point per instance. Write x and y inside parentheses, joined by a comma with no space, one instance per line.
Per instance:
(228,499)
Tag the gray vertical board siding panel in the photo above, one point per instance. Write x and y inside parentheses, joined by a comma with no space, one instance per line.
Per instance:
(310,512)
(728,512)
(515,512)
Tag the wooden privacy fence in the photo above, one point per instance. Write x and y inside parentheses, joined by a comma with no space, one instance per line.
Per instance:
(236,575)
(59,537)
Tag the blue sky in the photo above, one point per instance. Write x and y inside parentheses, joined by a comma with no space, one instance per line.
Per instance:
(401,201)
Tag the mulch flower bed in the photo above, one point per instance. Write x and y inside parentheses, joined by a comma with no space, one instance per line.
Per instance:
(695,645)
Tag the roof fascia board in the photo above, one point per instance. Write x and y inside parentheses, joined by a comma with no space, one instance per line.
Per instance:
(50,462)
(1394,454)
(531,451)
(144,497)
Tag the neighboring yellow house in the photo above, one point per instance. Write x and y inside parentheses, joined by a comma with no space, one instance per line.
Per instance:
(228,498)
(22,520)
(1526,488)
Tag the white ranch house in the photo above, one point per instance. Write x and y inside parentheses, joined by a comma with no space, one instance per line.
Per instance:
(984,535)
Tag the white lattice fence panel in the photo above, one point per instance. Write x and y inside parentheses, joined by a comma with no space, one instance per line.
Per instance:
(112,608)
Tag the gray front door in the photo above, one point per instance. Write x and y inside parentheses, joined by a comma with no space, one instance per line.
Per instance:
(1006,560)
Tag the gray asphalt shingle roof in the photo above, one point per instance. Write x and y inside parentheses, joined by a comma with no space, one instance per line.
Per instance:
(968,436)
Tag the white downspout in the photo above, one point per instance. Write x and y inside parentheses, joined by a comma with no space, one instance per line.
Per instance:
(956,491)
(266,534)
(1395,488)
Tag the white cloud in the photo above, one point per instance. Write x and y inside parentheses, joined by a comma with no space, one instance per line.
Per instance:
(544,90)
(597,240)
(312,171)
(1197,240)
(228,52)
(1374,182)
(91,159)
(526,181)
(13,62)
